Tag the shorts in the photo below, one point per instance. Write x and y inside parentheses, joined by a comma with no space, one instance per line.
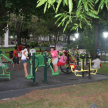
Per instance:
(55,61)
(19,55)
(16,60)
(92,67)
(60,64)
(24,61)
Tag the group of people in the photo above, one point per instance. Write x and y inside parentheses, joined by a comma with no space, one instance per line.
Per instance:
(21,55)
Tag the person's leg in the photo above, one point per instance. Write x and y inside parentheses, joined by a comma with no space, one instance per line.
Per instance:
(18,66)
(17,63)
(56,67)
(25,69)
(13,66)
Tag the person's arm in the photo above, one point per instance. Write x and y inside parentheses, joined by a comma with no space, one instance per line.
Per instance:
(64,57)
(25,54)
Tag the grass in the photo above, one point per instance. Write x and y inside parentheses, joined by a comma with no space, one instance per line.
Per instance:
(104,68)
(74,96)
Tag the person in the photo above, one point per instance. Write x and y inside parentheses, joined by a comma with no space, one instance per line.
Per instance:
(32,50)
(24,57)
(2,64)
(62,59)
(54,55)
(20,47)
(96,63)
(16,58)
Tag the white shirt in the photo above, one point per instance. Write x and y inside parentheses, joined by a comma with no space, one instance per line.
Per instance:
(96,63)
(23,57)
(32,51)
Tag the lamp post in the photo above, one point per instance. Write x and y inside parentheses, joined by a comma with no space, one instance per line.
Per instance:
(76,35)
(105,34)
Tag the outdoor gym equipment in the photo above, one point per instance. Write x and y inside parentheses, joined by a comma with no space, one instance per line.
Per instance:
(70,60)
(41,61)
(4,73)
(83,56)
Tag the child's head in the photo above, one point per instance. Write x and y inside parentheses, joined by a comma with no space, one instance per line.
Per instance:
(64,53)
(32,46)
(52,48)
(15,48)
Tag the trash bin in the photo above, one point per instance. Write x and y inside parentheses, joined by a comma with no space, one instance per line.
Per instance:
(11,54)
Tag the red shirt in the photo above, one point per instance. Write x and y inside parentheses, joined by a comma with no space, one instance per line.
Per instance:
(20,47)
(15,54)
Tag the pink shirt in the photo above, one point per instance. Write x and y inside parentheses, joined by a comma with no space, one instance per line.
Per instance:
(62,59)
(54,54)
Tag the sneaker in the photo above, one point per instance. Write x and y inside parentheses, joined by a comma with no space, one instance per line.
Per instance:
(29,77)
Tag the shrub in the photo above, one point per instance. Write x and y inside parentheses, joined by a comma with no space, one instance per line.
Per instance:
(45,45)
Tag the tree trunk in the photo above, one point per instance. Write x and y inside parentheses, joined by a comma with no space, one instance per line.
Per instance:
(68,39)
(55,40)
(18,38)
(96,36)
(49,38)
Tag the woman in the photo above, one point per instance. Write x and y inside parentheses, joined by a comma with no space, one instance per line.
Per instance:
(24,57)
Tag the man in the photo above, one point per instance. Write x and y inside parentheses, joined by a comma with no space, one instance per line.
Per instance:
(96,63)
(16,59)
(32,50)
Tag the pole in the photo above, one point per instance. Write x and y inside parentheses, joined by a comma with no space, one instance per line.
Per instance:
(33,67)
(83,68)
(89,66)
(45,68)
(105,50)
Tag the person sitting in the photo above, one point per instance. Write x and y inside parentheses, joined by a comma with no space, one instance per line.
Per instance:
(62,59)
(2,64)
(96,64)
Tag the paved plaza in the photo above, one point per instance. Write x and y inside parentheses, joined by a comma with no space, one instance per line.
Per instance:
(18,85)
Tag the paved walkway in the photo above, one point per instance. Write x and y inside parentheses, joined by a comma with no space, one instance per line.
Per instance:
(18,85)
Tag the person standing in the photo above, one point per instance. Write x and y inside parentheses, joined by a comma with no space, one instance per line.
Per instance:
(32,50)
(54,55)
(24,57)
(20,47)
(16,59)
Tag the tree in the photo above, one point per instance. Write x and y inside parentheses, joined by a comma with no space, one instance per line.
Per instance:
(81,10)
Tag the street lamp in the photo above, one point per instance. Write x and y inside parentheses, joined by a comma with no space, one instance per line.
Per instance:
(73,39)
(76,35)
(105,34)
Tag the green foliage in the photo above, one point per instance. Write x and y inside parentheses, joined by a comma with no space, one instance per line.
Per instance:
(88,39)
(81,10)
(35,44)
(45,45)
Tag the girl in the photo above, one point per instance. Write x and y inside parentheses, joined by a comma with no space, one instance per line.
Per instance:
(24,57)
(54,54)
(62,60)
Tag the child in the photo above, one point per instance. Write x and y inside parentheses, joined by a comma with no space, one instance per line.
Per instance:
(62,60)
(54,54)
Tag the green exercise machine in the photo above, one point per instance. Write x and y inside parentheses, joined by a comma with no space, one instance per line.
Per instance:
(41,61)
(3,72)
